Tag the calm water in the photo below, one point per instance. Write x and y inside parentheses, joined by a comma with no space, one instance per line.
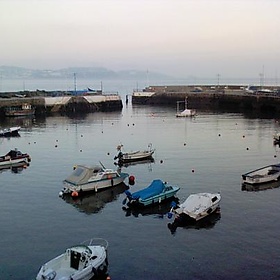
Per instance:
(205,154)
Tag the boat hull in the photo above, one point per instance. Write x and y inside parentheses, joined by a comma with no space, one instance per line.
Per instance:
(94,185)
(262,175)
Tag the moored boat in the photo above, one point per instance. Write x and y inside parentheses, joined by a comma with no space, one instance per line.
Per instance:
(156,192)
(198,206)
(80,262)
(185,113)
(134,156)
(18,111)
(262,175)
(95,178)
(13,157)
(10,132)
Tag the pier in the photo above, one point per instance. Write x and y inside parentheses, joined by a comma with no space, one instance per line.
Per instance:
(235,98)
(46,103)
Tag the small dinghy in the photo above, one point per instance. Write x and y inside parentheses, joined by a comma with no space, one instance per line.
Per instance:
(156,192)
(198,206)
(80,262)
(262,175)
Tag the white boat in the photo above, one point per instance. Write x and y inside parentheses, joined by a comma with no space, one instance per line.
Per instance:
(80,262)
(94,178)
(198,206)
(262,175)
(127,157)
(10,132)
(13,157)
(187,112)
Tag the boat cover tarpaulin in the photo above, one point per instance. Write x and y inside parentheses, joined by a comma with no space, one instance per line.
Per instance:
(81,174)
(155,188)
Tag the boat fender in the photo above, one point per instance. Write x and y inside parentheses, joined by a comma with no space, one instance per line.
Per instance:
(74,194)
(60,193)
(131,180)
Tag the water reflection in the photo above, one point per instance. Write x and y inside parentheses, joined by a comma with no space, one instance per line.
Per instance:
(147,162)
(15,168)
(205,223)
(93,202)
(156,209)
(260,187)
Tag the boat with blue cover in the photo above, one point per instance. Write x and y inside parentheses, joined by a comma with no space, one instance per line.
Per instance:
(157,192)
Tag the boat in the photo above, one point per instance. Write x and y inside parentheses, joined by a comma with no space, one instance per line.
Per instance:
(128,157)
(13,157)
(262,175)
(18,111)
(79,262)
(10,132)
(187,112)
(156,192)
(197,206)
(276,138)
(91,178)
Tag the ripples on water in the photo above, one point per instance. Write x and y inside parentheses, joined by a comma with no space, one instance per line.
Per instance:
(204,154)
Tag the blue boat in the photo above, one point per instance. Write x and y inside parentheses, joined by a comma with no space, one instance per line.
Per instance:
(156,192)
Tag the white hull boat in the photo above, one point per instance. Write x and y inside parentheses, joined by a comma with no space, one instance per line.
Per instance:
(198,206)
(93,178)
(14,157)
(80,262)
(262,175)
(134,156)
(187,112)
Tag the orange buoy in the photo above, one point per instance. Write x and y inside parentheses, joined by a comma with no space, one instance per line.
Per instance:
(74,194)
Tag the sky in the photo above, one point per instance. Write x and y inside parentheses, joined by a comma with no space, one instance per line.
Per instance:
(198,38)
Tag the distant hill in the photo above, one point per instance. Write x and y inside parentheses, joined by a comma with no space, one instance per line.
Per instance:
(11,72)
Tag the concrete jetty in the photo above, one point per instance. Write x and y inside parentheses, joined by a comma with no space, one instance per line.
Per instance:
(45,104)
(236,98)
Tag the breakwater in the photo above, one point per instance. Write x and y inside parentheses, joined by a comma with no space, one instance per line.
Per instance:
(63,104)
(229,99)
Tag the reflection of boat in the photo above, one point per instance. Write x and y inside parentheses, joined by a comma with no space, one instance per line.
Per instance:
(146,161)
(93,178)
(156,192)
(260,187)
(159,209)
(17,111)
(10,132)
(262,175)
(15,168)
(206,223)
(94,202)
(126,157)
(79,262)
(13,157)
(198,206)
(187,112)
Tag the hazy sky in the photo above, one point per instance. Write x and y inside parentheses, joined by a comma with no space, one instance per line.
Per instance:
(233,38)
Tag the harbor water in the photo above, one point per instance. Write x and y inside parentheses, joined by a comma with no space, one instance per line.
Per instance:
(207,153)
